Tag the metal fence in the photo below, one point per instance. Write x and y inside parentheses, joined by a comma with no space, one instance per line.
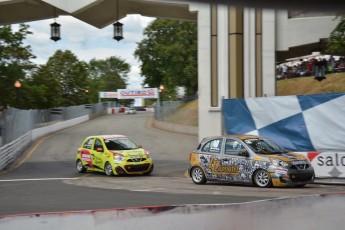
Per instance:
(15,123)
(166,109)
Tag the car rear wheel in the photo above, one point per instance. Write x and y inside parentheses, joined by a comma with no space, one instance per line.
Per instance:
(108,169)
(262,178)
(198,176)
(80,167)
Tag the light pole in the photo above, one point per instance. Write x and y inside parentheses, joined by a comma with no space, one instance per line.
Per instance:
(17,85)
(161,89)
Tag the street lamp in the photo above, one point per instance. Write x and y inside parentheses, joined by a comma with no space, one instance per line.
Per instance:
(118,31)
(161,89)
(55,31)
(17,85)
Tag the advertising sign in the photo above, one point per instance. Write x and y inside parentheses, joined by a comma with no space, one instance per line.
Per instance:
(137,93)
(327,164)
(107,94)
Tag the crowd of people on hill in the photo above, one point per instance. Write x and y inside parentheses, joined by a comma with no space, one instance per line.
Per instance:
(317,67)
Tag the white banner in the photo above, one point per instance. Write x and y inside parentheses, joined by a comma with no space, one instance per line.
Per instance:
(107,94)
(327,164)
(137,93)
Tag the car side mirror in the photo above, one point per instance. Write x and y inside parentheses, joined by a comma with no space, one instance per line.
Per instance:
(243,153)
(140,146)
(99,150)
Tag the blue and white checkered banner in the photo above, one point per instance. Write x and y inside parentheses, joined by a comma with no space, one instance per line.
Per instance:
(298,123)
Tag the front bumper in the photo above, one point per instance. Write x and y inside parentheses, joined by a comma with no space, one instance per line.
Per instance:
(293,177)
(134,169)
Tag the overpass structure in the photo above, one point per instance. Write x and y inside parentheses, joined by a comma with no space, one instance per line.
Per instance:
(238,45)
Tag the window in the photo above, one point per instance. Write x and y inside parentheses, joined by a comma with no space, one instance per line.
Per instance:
(233,147)
(213,146)
(98,144)
(88,143)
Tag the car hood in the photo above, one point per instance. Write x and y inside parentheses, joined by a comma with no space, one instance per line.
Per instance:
(287,157)
(132,152)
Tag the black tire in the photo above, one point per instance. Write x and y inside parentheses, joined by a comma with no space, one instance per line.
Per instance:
(198,176)
(108,169)
(80,167)
(262,179)
(300,185)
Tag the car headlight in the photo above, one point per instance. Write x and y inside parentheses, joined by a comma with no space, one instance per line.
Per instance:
(279,163)
(147,153)
(118,158)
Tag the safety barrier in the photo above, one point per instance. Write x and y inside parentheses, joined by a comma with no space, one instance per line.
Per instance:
(10,151)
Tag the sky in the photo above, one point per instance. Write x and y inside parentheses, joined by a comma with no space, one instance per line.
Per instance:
(88,42)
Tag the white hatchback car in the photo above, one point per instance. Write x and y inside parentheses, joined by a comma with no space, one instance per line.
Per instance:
(131,111)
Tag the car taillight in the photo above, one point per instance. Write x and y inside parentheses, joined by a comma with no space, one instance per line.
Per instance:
(190,156)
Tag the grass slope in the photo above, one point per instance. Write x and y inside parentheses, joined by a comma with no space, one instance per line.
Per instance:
(334,83)
(186,114)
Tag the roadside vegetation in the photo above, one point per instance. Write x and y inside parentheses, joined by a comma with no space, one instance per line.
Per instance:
(334,83)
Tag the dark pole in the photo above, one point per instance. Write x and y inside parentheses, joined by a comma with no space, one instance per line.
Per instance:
(17,85)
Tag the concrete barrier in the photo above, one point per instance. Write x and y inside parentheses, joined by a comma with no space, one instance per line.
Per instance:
(316,212)
(172,127)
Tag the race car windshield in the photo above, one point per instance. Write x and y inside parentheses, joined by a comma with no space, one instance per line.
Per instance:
(120,144)
(264,146)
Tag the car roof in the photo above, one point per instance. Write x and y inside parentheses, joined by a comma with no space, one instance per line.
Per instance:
(110,136)
(238,136)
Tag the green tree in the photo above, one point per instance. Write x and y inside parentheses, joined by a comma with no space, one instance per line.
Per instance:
(169,56)
(14,62)
(72,77)
(107,75)
(44,90)
(336,41)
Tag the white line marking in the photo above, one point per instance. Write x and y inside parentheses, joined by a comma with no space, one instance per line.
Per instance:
(37,179)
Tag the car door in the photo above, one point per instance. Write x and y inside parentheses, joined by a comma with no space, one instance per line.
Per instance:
(86,152)
(236,167)
(98,154)
(210,156)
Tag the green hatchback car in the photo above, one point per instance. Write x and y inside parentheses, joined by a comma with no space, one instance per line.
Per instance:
(113,155)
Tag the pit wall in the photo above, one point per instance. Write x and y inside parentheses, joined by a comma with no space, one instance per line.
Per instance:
(317,212)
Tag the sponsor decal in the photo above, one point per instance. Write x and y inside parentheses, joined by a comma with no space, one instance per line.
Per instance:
(217,167)
(107,94)
(328,164)
(85,156)
(137,93)
(229,168)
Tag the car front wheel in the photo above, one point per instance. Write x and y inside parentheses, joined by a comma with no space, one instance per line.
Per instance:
(108,169)
(198,176)
(262,178)
(80,167)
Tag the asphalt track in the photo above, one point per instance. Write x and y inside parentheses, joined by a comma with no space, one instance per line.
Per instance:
(44,179)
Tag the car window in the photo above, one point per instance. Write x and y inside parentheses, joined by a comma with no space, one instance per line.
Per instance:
(213,146)
(88,143)
(264,146)
(98,144)
(120,144)
(233,147)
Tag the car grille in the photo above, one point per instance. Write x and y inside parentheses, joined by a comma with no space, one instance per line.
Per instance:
(136,160)
(137,168)
(300,166)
